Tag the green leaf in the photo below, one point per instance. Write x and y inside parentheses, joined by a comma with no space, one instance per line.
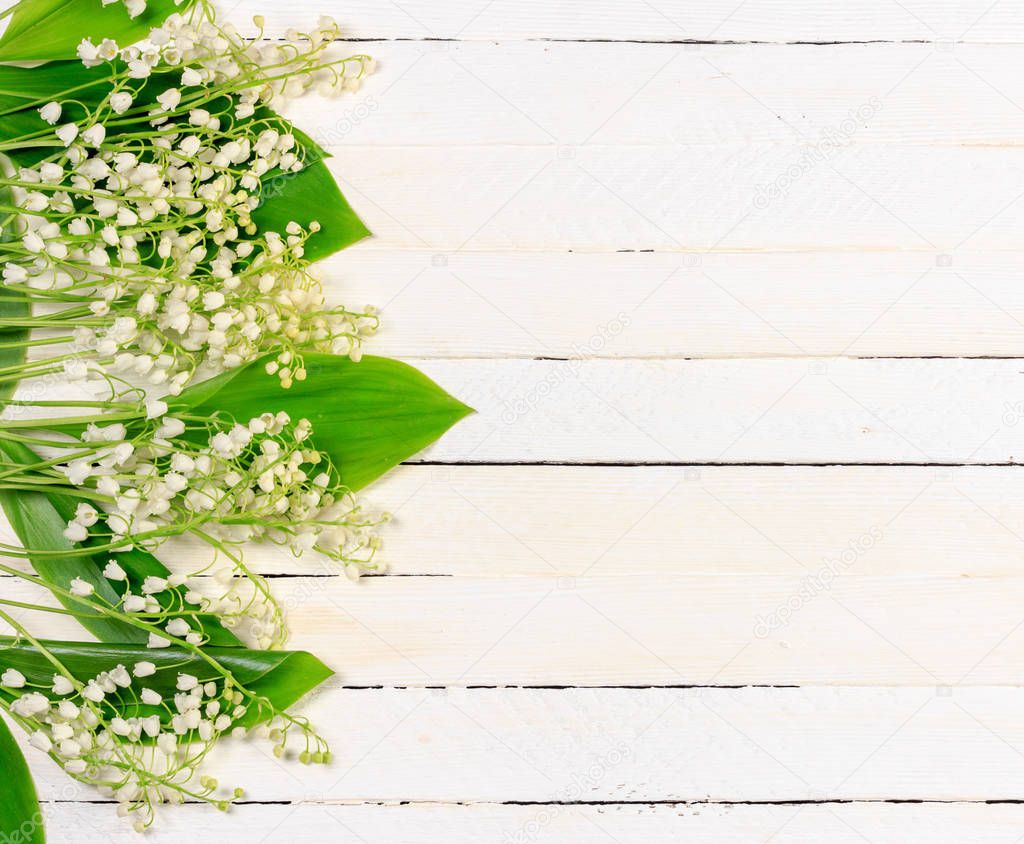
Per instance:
(21,87)
(13,305)
(311,194)
(24,89)
(367,416)
(280,676)
(20,817)
(38,525)
(39,520)
(52,29)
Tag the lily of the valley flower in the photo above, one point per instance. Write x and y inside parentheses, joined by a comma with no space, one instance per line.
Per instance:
(135,235)
(178,181)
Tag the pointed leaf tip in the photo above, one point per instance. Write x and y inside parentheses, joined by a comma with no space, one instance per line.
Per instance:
(367,416)
(311,194)
(282,677)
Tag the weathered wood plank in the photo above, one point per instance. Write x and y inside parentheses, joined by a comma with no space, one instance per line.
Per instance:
(779,410)
(724,197)
(514,92)
(662,824)
(639,745)
(760,20)
(812,626)
(563,522)
(627,304)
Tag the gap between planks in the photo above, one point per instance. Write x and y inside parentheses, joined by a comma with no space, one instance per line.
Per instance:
(577,521)
(707,20)
(895,801)
(472,823)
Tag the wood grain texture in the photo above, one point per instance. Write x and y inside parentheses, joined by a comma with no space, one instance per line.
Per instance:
(705,198)
(709,235)
(563,522)
(811,626)
(722,304)
(639,745)
(780,410)
(516,93)
(663,824)
(758,20)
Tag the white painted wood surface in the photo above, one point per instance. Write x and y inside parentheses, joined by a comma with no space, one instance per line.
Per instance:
(645,745)
(794,410)
(699,198)
(626,249)
(672,20)
(667,305)
(476,822)
(514,521)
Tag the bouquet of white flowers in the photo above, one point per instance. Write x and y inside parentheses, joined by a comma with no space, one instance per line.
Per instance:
(157,236)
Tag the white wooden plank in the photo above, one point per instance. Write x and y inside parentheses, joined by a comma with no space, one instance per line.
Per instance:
(570,304)
(717,305)
(776,410)
(796,628)
(763,20)
(817,411)
(721,197)
(662,824)
(637,745)
(514,92)
(811,626)
(564,522)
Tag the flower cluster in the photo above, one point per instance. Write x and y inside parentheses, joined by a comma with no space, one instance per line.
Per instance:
(141,226)
(157,476)
(139,745)
(161,476)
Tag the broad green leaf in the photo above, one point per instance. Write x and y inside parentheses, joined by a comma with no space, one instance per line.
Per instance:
(311,194)
(12,306)
(22,86)
(281,676)
(38,526)
(20,818)
(39,520)
(52,29)
(367,416)
(24,89)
